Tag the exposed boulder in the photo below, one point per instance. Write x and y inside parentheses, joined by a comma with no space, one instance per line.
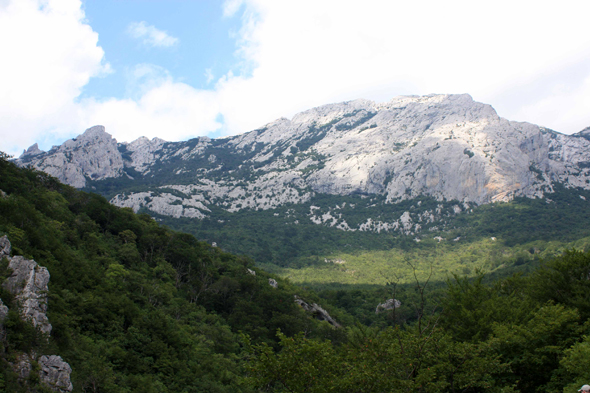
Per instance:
(273,283)
(252,272)
(55,373)
(390,304)
(28,282)
(94,155)
(317,311)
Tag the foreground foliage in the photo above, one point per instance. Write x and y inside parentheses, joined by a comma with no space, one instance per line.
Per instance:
(136,307)
(520,334)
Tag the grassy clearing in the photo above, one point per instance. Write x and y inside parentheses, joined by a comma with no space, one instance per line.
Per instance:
(445,258)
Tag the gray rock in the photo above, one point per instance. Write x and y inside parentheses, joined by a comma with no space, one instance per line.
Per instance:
(317,311)
(273,283)
(55,373)
(3,312)
(28,282)
(93,154)
(32,151)
(3,315)
(448,147)
(5,247)
(251,272)
(23,365)
(390,304)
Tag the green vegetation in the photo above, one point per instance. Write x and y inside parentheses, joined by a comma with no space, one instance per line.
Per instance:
(137,307)
(521,334)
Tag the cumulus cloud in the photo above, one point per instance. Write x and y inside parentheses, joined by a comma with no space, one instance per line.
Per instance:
(48,55)
(528,59)
(150,35)
(309,53)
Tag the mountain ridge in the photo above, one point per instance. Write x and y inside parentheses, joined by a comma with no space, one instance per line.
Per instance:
(447,147)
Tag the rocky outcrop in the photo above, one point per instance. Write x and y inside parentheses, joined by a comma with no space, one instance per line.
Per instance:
(317,311)
(28,282)
(55,373)
(93,155)
(5,247)
(273,283)
(390,304)
(32,151)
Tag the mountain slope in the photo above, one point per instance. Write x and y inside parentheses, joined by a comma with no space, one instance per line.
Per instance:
(444,146)
(134,307)
(412,166)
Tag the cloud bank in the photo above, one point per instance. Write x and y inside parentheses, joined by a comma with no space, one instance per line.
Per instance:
(528,59)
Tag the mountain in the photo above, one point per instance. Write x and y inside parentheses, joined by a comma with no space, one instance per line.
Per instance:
(445,146)
(411,166)
(94,298)
(133,307)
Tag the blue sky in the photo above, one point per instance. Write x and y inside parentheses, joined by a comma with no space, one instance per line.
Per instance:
(203,42)
(177,69)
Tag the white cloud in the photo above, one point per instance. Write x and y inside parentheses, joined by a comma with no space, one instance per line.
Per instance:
(150,35)
(528,59)
(48,55)
(309,53)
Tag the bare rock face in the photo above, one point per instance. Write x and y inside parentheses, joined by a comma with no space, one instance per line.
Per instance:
(32,151)
(273,283)
(28,282)
(5,247)
(94,154)
(390,304)
(3,312)
(317,311)
(3,315)
(55,373)
(448,147)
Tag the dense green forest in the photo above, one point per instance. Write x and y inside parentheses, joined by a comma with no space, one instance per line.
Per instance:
(137,307)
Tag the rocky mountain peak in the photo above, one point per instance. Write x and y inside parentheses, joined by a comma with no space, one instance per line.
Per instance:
(95,132)
(444,146)
(32,151)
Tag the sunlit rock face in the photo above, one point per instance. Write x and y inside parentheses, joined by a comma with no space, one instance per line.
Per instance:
(448,147)
(93,155)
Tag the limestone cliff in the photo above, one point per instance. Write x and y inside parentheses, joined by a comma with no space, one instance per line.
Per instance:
(448,147)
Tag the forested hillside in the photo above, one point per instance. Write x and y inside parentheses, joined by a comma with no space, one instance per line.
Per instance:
(136,307)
